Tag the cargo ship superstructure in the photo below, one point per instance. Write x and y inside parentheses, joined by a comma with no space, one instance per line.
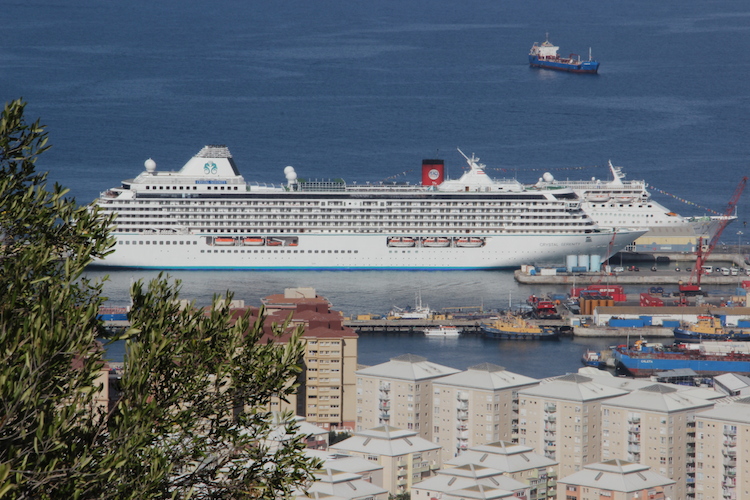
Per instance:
(620,203)
(206,216)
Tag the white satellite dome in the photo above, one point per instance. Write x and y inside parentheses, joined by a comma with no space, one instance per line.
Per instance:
(548,177)
(150,166)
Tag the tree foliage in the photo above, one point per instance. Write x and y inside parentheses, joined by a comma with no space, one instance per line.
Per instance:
(191,419)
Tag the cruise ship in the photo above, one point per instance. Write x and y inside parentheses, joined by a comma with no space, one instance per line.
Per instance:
(620,203)
(206,216)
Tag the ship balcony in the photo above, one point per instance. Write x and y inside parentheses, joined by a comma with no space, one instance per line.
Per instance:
(550,408)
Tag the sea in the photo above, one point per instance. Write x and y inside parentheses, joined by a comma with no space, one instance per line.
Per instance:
(364,91)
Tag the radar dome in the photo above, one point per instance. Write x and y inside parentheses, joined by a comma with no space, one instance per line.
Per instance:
(150,165)
(548,177)
(291,176)
(288,169)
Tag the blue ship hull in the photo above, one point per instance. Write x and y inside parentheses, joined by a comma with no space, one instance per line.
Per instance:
(644,364)
(579,67)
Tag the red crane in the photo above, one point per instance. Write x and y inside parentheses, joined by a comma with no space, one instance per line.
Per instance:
(694,285)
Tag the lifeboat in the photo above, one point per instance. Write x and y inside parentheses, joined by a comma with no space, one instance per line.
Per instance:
(272,242)
(224,241)
(469,242)
(436,242)
(401,242)
(597,197)
(253,241)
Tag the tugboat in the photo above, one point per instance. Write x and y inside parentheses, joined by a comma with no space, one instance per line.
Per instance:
(513,327)
(708,328)
(545,56)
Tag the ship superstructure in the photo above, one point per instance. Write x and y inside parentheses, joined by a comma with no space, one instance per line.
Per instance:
(207,216)
(620,203)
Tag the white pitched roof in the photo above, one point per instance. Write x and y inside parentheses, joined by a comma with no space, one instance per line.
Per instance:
(487,376)
(733,381)
(573,387)
(341,485)
(617,475)
(659,398)
(738,411)
(408,367)
(502,456)
(385,440)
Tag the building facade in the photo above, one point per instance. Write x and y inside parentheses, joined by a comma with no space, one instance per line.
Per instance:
(476,406)
(561,419)
(399,393)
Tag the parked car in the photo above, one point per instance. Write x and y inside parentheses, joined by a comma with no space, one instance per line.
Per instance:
(677,269)
(618,270)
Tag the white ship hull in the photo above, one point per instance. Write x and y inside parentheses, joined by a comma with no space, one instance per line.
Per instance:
(207,217)
(355,251)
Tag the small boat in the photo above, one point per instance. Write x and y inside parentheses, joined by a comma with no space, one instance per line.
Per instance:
(514,327)
(436,242)
(418,312)
(253,241)
(397,241)
(469,242)
(708,328)
(442,331)
(223,241)
(545,56)
(272,242)
(592,358)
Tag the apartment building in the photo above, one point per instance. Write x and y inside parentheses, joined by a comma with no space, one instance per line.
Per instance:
(616,480)
(518,462)
(399,393)
(561,418)
(326,392)
(655,426)
(476,406)
(406,458)
(723,451)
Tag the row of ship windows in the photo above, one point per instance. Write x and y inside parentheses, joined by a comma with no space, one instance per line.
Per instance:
(279,251)
(147,242)
(194,188)
(286,203)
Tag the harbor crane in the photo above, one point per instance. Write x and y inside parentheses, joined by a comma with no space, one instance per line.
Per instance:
(693,287)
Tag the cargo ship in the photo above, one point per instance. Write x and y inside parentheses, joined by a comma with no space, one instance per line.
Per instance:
(707,358)
(545,56)
(708,328)
(207,216)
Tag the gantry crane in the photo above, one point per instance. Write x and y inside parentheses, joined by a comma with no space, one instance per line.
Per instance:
(693,287)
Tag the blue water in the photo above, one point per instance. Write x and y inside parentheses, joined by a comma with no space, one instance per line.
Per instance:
(365,90)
